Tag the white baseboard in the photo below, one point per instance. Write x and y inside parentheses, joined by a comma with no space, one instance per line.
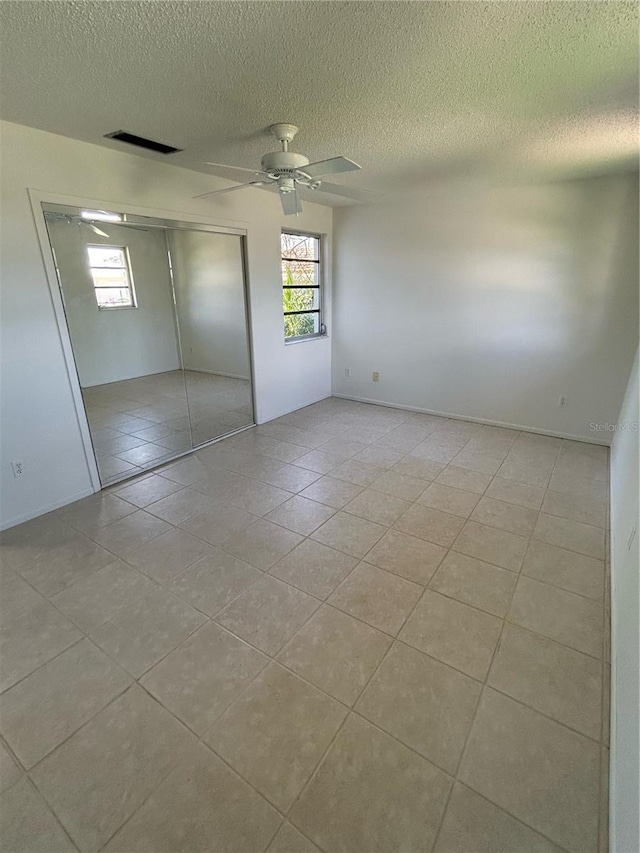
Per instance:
(216,373)
(295,409)
(43,510)
(502,424)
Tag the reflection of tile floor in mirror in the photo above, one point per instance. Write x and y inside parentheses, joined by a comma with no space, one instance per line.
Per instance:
(350,629)
(137,423)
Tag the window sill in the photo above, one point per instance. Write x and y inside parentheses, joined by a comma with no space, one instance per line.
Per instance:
(304,338)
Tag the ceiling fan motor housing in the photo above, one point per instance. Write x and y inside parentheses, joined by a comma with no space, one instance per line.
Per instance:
(283,162)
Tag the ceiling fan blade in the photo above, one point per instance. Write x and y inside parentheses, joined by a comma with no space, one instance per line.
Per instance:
(235,173)
(291,202)
(333,166)
(230,189)
(356,194)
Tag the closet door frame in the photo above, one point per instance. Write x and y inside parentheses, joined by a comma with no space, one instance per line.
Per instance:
(135,215)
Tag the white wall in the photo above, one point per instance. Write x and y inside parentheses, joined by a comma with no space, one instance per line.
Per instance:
(38,420)
(123,343)
(625,632)
(491,302)
(208,280)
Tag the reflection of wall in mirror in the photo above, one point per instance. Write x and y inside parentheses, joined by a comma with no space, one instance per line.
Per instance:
(208,279)
(114,344)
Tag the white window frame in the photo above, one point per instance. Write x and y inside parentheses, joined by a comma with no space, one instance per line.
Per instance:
(320,287)
(127,271)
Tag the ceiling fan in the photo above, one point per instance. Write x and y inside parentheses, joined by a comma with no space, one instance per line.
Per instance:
(288,171)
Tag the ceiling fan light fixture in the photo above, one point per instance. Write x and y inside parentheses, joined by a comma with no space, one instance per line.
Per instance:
(286,185)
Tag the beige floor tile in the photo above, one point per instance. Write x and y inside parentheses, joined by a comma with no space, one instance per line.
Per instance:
(30,639)
(531,473)
(99,510)
(98,778)
(356,472)
(424,703)
(268,614)
(583,508)
(169,554)
(336,653)
(344,448)
(559,682)
(92,602)
(448,499)
(129,533)
(59,567)
(10,771)
(289,840)
(200,800)
(180,506)
(186,472)
(376,597)
(148,491)
(275,734)
(472,823)
(291,478)
(576,485)
(435,526)
(220,524)
(377,454)
(536,769)
(378,507)
(560,615)
(27,825)
(433,451)
(582,538)
(423,469)
(454,633)
(399,485)
(335,493)
(474,582)
(514,519)
(204,675)
(464,478)
(478,460)
(300,515)
(566,569)
(491,545)
(50,704)
(407,556)
(513,492)
(21,545)
(389,797)
(141,635)
(257,498)
(262,544)
(213,582)
(318,461)
(349,533)
(16,596)
(314,568)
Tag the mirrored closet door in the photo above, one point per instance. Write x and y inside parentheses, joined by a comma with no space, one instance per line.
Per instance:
(157,319)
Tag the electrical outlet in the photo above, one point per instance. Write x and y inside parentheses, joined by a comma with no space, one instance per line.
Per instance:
(347,371)
(375,376)
(17,468)
(563,401)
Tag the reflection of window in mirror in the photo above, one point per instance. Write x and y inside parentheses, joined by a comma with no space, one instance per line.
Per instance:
(111,274)
(301,286)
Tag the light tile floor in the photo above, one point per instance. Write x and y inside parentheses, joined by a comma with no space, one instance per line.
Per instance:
(351,629)
(138,423)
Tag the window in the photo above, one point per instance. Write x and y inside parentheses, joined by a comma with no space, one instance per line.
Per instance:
(301,284)
(109,266)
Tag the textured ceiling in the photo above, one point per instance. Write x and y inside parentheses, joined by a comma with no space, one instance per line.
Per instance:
(404,88)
